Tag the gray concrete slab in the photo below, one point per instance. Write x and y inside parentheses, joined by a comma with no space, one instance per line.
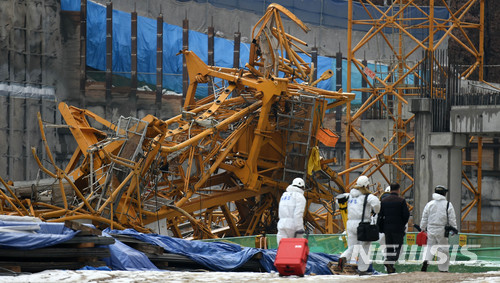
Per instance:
(476,120)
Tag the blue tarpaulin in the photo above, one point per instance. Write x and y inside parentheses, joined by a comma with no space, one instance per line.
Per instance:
(216,256)
(324,13)
(70,5)
(124,257)
(223,256)
(334,14)
(48,234)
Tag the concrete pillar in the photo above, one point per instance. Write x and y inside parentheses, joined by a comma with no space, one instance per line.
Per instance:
(438,160)
(446,164)
(421,107)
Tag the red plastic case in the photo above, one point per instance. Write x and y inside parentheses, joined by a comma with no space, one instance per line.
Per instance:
(291,258)
(422,238)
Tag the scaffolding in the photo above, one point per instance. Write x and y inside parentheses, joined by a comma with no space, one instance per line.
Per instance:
(297,124)
(396,28)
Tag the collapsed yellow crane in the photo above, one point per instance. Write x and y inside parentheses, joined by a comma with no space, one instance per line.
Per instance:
(221,165)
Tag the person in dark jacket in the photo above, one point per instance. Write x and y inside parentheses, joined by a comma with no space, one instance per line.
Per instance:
(392,220)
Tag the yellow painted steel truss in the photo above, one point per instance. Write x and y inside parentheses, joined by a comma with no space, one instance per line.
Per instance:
(217,167)
(395,28)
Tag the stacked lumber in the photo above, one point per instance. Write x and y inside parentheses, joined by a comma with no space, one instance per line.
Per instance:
(82,250)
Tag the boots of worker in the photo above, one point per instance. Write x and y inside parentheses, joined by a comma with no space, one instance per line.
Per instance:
(363,273)
(390,268)
(341,264)
(424,266)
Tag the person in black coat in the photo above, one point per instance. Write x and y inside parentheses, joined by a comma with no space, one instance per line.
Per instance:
(392,220)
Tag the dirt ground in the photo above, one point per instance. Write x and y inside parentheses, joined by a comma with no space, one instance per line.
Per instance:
(83,276)
(433,277)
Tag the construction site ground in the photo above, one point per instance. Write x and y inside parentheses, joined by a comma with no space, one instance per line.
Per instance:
(203,276)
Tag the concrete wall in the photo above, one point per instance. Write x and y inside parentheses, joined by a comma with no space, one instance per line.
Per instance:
(39,67)
(490,208)
(476,120)
(480,121)
(378,132)
(19,129)
(19,132)
(438,160)
(30,43)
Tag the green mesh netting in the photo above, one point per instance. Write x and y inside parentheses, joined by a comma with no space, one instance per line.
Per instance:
(482,252)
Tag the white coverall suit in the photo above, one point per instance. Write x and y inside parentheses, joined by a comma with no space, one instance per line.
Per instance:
(291,213)
(354,210)
(434,220)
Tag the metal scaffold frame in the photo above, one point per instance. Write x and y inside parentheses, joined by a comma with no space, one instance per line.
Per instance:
(393,86)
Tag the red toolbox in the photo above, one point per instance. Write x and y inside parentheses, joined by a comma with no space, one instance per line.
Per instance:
(291,257)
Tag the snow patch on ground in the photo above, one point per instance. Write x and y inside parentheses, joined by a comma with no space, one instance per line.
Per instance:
(62,276)
(67,276)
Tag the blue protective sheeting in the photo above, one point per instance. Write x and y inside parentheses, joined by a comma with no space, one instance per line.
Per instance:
(217,256)
(70,5)
(325,13)
(334,15)
(124,257)
(222,256)
(49,234)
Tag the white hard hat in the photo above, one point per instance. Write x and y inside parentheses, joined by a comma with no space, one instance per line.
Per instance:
(298,182)
(362,181)
(387,189)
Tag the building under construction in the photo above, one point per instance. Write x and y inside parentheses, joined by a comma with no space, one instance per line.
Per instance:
(190,119)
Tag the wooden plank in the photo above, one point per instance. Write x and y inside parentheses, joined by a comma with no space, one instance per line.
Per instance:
(126,238)
(5,254)
(91,239)
(147,248)
(140,245)
(13,268)
(175,260)
(85,230)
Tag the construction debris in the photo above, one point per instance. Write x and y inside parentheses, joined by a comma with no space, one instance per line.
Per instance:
(87,248)
(219,167)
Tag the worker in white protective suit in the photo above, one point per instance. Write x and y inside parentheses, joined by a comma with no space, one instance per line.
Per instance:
(354,210)
(434,219)
(291,211)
